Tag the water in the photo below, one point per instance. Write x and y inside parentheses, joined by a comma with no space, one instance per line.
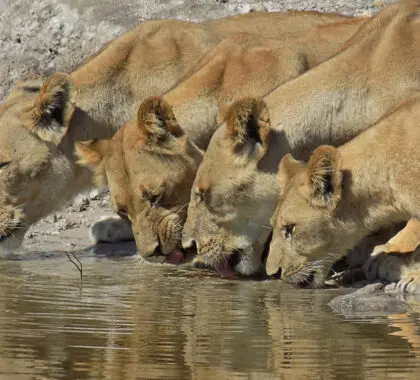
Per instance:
(128,320)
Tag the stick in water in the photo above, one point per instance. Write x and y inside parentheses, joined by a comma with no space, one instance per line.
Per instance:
(78,265)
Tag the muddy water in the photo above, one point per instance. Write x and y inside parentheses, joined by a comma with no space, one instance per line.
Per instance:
(127,320)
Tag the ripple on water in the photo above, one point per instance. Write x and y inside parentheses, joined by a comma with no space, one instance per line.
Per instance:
(128,320)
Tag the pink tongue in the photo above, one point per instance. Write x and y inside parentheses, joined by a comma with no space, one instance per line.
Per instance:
(225,270)
(175,257)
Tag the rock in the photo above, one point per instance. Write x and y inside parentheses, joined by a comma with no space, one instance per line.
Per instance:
(98,194)
(94,195)
(30,235)
(367,301)
(392,289)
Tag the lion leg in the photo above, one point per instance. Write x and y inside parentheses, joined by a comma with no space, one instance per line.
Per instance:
(110,229)
(405,241)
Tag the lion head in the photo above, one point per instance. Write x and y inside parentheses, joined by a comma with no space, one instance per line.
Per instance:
(225,223)
(33,170)
(307,235)
(149,166)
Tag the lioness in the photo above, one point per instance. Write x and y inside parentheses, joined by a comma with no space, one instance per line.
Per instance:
(340,195)
(235,191)
(43,117)
(239,66)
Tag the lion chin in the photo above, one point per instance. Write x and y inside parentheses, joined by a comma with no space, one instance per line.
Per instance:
(243,262)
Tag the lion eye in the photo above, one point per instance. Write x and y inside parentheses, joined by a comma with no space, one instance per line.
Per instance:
(4,164)
(288,230)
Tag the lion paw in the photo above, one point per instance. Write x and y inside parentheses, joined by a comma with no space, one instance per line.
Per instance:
(384,267)
(410,283)
(110,229)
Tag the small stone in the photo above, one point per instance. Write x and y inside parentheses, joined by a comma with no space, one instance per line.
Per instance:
(391,288)
(94,195)
(81,203)
(104,203)
(54,218)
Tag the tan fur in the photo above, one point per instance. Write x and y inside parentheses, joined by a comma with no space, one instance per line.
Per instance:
(238,66)
(43,117)
(146,201)
(330,103)
(372,182)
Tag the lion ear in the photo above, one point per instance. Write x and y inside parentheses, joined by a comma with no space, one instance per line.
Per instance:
(53,108)
(324,176)
(248,126)
(288,168)
(157,123)
(91,154)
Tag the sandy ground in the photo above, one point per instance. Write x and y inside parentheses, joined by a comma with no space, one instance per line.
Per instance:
(54,35)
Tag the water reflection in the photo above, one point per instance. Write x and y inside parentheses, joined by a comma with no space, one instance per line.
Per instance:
(128,321)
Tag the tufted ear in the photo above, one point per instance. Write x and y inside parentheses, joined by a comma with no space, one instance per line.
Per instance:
(91,154)
(157,123)
(53,108)
(324,176)
(288,168)
(248,126)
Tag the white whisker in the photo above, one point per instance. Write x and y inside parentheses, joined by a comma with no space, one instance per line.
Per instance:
(180,209)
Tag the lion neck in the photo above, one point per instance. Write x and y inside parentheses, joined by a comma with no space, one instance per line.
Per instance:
(100,110)
(371,199)
(201,109)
